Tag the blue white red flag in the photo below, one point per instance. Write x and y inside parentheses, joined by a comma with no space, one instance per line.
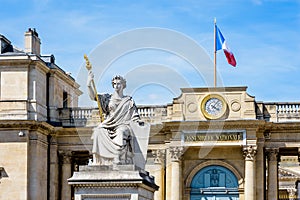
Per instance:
(221,44)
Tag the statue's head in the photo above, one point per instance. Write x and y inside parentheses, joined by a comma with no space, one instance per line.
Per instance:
(121,79)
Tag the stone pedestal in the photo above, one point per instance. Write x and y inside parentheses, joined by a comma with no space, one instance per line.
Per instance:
(104,182)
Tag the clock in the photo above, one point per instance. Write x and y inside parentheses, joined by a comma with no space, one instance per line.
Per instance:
(213,106)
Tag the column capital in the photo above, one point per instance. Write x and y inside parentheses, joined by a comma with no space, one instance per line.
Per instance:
(176,153)
(159,155)
(65,157)
(249,152)
(272,154)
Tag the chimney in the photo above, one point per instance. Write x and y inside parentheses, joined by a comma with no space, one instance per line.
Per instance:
(32,42)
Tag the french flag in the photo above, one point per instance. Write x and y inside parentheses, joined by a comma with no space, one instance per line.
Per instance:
(221,44)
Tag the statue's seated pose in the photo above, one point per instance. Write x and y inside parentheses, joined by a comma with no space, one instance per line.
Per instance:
(112,139)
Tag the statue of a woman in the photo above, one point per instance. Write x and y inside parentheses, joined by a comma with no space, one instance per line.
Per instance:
(112,139)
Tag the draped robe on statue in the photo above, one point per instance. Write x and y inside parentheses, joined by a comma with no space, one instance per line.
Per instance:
(113,138)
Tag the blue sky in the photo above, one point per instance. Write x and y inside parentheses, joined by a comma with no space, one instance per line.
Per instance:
(263,35)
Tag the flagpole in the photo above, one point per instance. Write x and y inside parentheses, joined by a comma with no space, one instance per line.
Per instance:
(215,54)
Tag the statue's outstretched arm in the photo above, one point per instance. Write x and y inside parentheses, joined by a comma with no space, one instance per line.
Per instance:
(91,89)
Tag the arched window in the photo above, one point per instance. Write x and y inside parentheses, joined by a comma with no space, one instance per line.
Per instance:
(214,182)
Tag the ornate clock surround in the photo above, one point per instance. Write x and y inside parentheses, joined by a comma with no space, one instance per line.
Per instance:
(214,106)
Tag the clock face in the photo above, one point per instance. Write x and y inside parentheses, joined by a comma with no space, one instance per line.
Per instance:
(213,106)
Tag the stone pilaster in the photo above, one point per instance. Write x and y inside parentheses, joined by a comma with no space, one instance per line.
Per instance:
(176,188)
(158,171)
(37,166)
(54,169)
(272,188)
(250,183)
(66,170)
(260,170)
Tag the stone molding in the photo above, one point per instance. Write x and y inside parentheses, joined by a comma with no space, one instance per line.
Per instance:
(95,184)
(92,177)
(250,152)
(176,153)
(26,124)
(172,126)
(106,196)
(285,174)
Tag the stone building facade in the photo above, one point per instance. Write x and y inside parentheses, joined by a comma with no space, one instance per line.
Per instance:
(208,143)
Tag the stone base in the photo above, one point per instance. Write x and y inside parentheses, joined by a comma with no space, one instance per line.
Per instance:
(105,183)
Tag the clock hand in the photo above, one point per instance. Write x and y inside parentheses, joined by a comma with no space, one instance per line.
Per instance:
(218,109)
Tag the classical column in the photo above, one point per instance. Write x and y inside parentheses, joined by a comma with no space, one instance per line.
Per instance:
(250,186)
(66,164)
(176,190)
(260,170)
(272,155)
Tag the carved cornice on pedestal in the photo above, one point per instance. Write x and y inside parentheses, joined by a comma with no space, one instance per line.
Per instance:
(249,152)
(292,192)
(159,155)
(176,153)
(284,174)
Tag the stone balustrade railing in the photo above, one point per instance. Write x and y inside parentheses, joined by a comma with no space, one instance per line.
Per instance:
(288,108)
(283,111)
(81,116)
(81,113)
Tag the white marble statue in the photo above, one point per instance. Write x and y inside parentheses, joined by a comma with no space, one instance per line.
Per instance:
(118,139)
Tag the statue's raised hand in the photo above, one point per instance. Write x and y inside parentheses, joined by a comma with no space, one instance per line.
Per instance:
(90,78)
